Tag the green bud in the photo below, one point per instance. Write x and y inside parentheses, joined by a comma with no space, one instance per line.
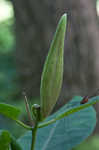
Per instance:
(52,76)
(36,112)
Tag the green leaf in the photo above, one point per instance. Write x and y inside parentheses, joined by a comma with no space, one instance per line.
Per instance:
(73,109)
(91,144)
(14,144)
(9,111)
(5,140)
(52,76)
(67,132)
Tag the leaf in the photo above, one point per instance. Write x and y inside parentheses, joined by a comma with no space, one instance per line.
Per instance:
(14,144)
(66,133)
(52,76)
(91,144)
(9,111)
(8,141)
(73,109)
(5,140)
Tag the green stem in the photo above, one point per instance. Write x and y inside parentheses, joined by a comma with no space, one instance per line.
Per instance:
(47,123)
(65,114)
(23,125)
(34,131)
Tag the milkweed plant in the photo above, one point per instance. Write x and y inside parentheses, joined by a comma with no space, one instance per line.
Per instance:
(64,129)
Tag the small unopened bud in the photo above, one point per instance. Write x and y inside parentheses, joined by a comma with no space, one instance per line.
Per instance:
(36,112)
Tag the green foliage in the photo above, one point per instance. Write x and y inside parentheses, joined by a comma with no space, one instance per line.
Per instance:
(90,144)
(9,87)
(5,140)
(14,144)
(9,111)
(75,106)
(6,36)
(52,75)
(66,128)
(65,133)
(9,79)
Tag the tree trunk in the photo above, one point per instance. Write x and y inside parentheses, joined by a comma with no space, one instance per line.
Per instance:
(35,25)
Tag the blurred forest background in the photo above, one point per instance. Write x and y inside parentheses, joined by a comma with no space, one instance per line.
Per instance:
(26,31)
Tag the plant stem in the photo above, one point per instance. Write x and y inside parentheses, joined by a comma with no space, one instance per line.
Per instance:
(23,125)
(65,114)
(47,123)
(28,109)
(34,131)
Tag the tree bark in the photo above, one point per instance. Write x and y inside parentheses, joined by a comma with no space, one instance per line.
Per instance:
(34,27)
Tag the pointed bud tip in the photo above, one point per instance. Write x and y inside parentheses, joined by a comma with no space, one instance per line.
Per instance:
(63,22)
(63,19)
(64,16)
